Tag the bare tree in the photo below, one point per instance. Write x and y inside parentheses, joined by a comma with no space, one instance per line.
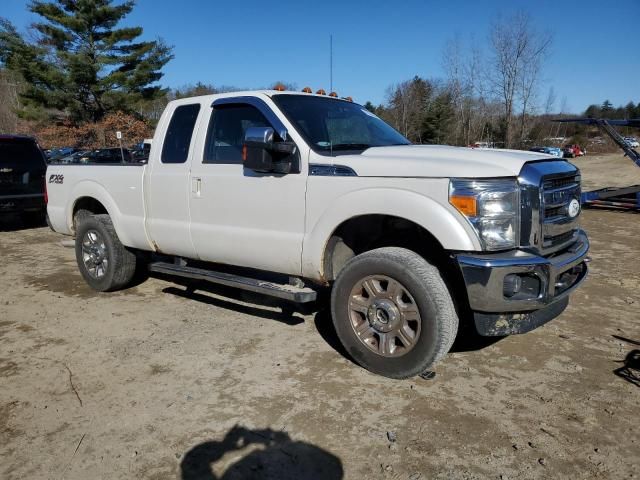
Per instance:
(452,61)
(517,51)
(550,104)
(527,92)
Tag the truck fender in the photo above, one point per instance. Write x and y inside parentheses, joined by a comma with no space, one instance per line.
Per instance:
(443,222)
(92,189)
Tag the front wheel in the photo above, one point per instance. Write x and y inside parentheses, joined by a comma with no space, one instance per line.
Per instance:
(104,263)
(393,312)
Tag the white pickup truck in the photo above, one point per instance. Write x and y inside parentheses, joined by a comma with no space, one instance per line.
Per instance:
(288,193)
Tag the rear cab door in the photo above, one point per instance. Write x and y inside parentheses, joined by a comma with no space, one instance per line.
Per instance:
(167,185)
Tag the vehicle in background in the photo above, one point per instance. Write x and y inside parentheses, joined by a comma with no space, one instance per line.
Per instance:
(555,151)
(55,154)
(73,158)
(486,145)
(573,150)
(101,155)
(632,142)
(597,141)
(110,155)
(140,151)
(22,172)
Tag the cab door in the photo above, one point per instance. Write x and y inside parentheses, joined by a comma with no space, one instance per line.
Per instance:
(167,187)
(238,216)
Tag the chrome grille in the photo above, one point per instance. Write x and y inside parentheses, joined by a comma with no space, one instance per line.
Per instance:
(558,227)
(546,189)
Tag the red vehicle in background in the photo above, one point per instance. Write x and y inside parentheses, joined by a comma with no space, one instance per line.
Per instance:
(571,151)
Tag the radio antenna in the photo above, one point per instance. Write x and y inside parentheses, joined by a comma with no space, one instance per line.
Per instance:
(331,63)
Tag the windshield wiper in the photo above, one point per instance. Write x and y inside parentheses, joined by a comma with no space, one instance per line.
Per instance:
(350,146)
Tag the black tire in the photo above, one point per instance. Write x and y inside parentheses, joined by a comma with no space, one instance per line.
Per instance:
(121,263)
(438,318)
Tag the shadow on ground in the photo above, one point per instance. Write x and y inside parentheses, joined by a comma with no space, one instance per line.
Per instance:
(261,305)
(468,340)
(290,313)
(265,454)
(630,370)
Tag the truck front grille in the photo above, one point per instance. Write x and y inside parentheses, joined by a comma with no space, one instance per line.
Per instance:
(547,189)
(557,192)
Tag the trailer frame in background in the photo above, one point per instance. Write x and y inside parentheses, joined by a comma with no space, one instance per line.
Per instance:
(627,198)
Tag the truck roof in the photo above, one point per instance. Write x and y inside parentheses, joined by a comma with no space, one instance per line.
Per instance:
(249,93)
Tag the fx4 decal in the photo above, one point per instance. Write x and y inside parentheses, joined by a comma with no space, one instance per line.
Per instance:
(56,179)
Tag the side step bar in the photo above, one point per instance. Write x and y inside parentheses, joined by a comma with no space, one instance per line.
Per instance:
(287,292)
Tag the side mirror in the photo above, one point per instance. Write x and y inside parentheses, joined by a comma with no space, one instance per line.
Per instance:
(261,153)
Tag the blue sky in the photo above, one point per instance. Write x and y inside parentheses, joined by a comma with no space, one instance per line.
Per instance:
(595,54)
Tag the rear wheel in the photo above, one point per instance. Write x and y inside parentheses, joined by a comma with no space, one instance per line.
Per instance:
(393,312)
(104,263)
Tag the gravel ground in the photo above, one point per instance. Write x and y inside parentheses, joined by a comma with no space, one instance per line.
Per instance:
(159,381)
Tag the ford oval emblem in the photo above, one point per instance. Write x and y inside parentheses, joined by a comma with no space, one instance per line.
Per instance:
(574,208)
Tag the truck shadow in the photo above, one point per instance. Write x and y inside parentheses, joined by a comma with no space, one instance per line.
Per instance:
(252,303)
(289,313)
(266,454)
(468,340)
(630,370)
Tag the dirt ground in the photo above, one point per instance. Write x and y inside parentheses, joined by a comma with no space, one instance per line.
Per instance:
(160,382)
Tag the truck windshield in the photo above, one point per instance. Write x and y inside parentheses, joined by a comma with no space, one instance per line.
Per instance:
(332,126)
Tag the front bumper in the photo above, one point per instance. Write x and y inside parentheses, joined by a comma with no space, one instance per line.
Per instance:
(549,281)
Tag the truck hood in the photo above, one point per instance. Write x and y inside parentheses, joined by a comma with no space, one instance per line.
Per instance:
(438,161)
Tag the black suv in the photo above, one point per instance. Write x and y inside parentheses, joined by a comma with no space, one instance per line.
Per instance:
(22,173)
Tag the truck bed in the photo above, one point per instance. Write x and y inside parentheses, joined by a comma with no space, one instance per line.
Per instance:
(119,187)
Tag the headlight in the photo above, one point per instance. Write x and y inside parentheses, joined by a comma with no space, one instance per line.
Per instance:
(492,208)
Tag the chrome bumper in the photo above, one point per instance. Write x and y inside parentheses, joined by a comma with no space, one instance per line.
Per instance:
(498,314)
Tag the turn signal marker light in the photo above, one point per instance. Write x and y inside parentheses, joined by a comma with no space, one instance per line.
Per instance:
(333,94)
(321,92)
(306,90)
(468,206)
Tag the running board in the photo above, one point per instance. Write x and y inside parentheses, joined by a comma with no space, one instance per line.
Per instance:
(286,292)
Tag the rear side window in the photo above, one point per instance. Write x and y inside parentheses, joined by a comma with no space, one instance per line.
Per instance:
(19,152)
(175,148)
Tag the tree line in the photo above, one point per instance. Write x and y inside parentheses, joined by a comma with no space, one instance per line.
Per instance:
(607,110)
(79,73)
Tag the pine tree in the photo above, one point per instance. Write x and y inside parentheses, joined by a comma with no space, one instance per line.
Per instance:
(81,63)
(606,107)
(630,110)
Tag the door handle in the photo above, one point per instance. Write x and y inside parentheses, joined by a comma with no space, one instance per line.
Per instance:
(196,186)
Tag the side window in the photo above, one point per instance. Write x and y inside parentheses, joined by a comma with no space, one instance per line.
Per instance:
(226,132)
(175,148)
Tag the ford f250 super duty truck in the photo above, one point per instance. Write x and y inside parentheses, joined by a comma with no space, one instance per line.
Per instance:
(288,193)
